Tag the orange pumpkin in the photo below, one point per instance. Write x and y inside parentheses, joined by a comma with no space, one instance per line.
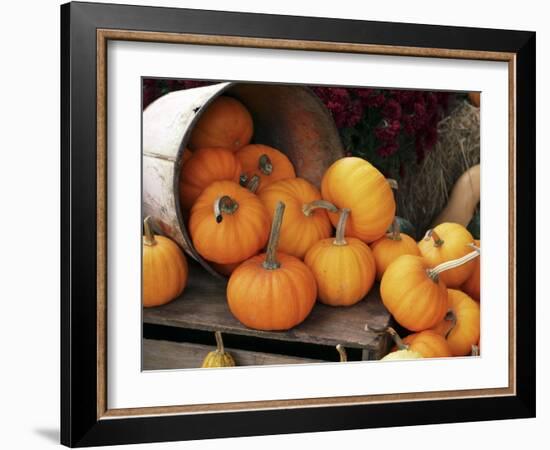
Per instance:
(390,247)
(461,326)
(225,123)
(305,221)
(268,163)
(343,267)
(416,300)
(355,184)
(414,293)
(272,291)
(472,285)
(202,169)
(446,242)
(228,223)
(429,344)
(164,268)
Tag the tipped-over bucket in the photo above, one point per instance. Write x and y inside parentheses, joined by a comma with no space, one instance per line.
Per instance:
(291,119)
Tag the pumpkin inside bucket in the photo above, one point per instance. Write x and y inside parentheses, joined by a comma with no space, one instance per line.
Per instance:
(289,118)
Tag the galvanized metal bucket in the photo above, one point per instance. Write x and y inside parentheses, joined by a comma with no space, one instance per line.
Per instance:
(289,118)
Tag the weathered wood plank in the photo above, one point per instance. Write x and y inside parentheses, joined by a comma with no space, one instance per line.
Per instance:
(203,306)
(158,355)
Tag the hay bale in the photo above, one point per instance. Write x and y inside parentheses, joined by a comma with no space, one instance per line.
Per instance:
(424,192)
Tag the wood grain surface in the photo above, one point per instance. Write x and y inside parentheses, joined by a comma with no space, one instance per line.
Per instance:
(203,306)
(159,355)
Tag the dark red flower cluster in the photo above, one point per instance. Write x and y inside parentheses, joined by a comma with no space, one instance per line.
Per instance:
(398,120)
(389,127)
(153,88)
(346,108)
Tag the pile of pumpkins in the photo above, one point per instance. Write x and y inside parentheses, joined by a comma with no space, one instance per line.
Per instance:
(272,233)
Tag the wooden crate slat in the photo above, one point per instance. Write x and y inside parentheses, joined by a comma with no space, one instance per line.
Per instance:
(203,306)
(158,355)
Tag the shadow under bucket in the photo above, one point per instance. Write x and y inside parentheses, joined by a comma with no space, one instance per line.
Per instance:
(291,119)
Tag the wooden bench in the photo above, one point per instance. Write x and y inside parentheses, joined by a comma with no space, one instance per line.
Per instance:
(203,308)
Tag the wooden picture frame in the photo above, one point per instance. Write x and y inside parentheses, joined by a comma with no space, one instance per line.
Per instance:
(85,29)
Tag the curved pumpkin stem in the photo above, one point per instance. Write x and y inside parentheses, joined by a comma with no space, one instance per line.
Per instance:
(308,208)
(342,351)
(395,337)
(450,317)
(340,238)
(432,234)
(224,205)
(219,342)
(434,273)
(265,165)
(271,262)
(149,238)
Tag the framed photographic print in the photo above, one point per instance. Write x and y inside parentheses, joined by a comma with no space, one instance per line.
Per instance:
(274,224)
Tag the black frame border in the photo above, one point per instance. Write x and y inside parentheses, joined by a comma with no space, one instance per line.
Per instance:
(79,423)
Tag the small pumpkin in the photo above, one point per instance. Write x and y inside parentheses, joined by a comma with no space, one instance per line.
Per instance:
(355,184)
(202,169)
(225,123)
(461,326)
(429,344)
(446,242)
(268,163)
(472,285)
(272,291)
(414,293)
(164,268)
(343,267)
(219,357)
(305,221)
(228,223)
(391,246)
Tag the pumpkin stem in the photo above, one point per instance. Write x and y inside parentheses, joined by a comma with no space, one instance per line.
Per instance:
(395,231)
(265,165)
(225,205)
(308,208)
(340,238)
(271,262)
(395,337)
(219,342)
(473,246)
(475,350)
(432,234)
(393,183)
(253,184)
(342,351)
(434,273)
(450,317)
(149,238)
